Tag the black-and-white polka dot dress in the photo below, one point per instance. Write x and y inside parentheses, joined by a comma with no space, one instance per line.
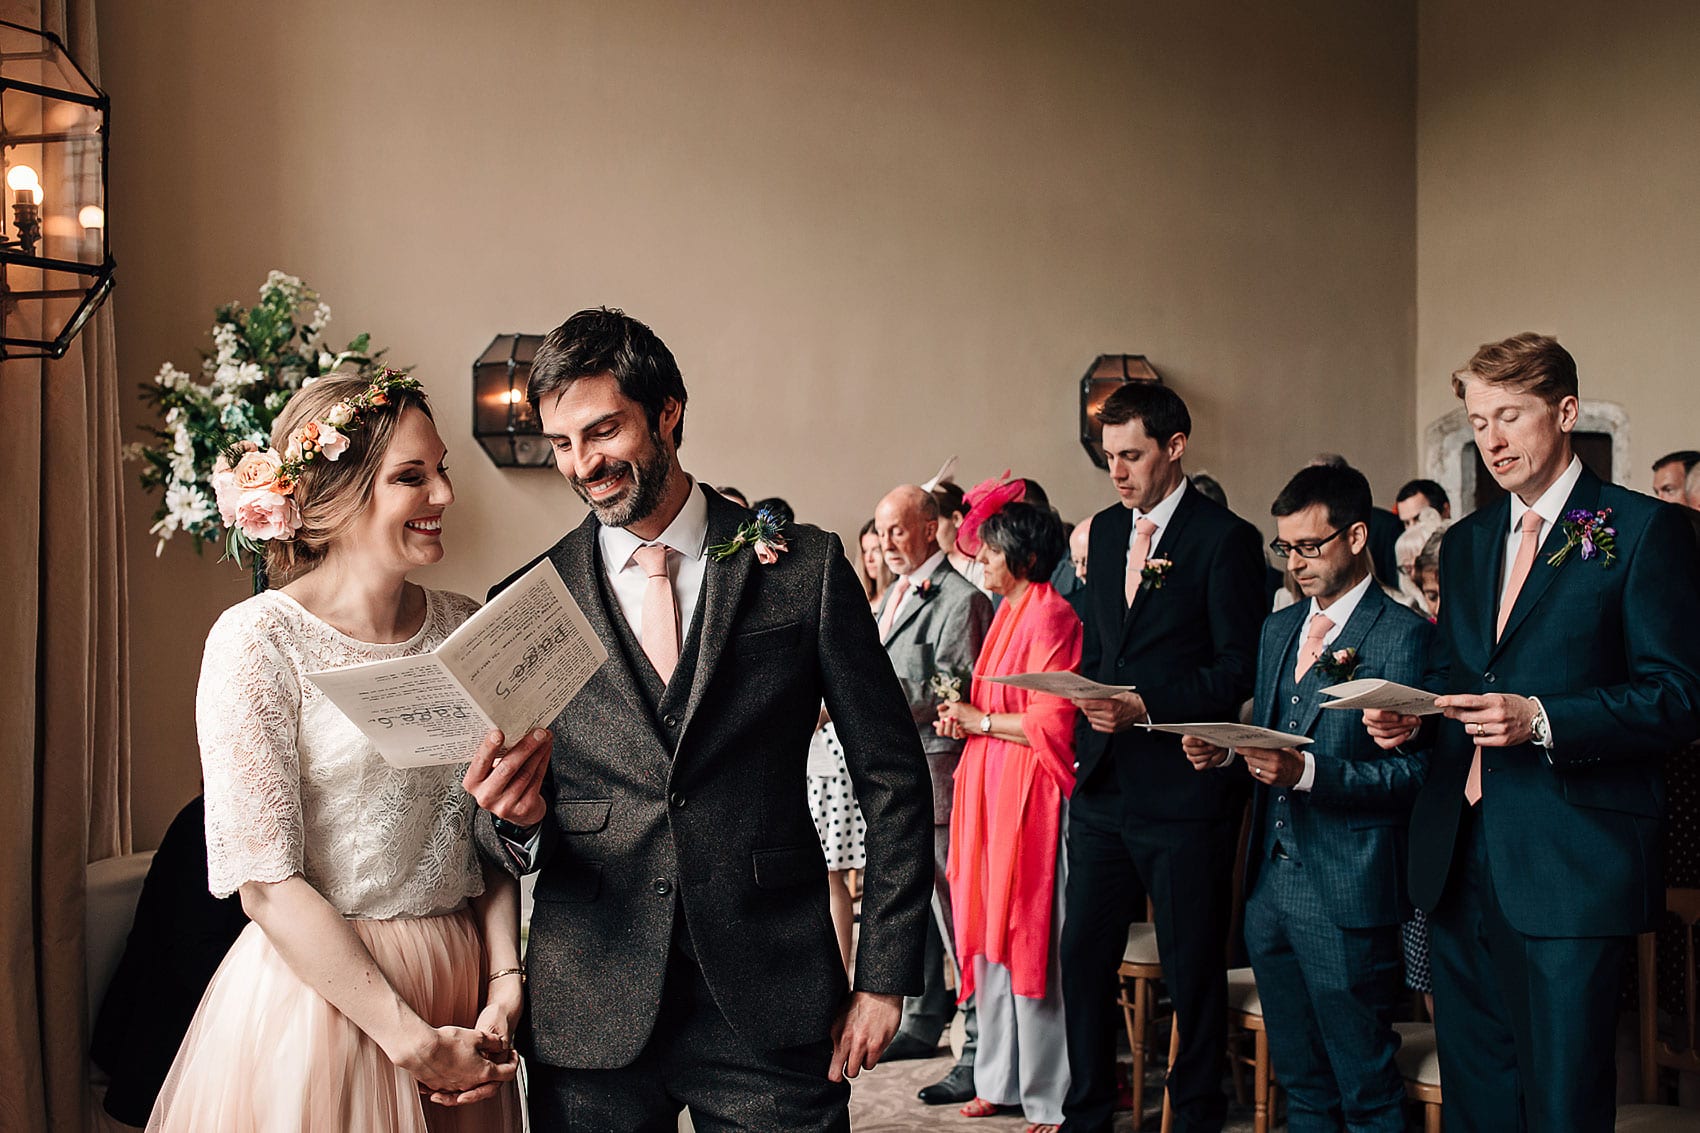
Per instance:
(832,802)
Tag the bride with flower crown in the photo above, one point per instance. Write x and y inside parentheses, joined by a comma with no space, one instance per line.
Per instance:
(379,984)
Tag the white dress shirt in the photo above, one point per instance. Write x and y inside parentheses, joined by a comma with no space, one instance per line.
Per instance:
(912,579)
(688,535)
(1160,515)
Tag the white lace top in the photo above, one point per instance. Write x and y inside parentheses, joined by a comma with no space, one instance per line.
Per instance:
(293,787)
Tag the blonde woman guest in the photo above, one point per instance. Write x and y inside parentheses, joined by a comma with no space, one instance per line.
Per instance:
(378,986)
(1007,867)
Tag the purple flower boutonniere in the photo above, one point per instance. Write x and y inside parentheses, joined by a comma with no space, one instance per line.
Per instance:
(1338,664)
(761,534)
(1590,531)
(1153,573)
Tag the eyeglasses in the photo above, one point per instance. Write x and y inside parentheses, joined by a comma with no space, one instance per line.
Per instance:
(1305,550)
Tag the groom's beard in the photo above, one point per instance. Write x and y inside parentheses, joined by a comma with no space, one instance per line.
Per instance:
(642,495)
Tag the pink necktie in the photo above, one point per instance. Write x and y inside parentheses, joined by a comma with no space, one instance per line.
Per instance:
(1312,647)
(1136,557)
(891,605)
(660,613)
(1520,568)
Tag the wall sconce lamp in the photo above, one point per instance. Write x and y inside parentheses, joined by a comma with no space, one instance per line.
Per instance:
(502,419)
(1106,374)
(55,256)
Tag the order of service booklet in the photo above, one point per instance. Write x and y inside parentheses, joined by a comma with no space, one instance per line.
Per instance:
(512,665)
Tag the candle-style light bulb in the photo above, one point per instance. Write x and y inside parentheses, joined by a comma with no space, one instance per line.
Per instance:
(21,177)
(92,216)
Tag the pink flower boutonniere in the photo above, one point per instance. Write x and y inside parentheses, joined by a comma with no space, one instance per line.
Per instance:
(1153,574)
(761,534)
(1338,664)
(1589,531)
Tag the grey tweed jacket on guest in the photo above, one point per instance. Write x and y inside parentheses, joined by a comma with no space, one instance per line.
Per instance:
(698,806)
(940,630)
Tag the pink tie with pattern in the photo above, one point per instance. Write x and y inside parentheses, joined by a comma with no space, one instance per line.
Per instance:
(660,612)
(1530,526)
(1312,647)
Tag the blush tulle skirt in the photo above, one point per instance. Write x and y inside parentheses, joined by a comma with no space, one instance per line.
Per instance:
(267,1054)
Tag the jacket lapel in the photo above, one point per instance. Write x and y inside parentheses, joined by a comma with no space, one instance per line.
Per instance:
(1489,550)
(1269,668)
(1168,542)
(722,589)
(1585,495)
(1369,610)
(577,557)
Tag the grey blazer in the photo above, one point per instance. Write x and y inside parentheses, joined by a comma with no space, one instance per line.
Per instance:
(1350,827)
(704,812)
(941,629)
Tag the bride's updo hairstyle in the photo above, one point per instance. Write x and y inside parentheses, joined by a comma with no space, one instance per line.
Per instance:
(331,493)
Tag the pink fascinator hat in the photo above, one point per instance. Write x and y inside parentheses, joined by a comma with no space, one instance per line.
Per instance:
(985,500)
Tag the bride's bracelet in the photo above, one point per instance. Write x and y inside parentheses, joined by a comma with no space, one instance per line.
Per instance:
(520,972)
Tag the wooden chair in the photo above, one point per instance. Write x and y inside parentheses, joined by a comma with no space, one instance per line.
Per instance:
(1140,970)
(1682,1055)
(1420,1067)
(1245,1013)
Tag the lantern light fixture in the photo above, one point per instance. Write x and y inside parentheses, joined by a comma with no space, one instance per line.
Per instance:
(1106,374)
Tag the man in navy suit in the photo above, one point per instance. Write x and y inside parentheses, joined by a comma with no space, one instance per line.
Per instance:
(1174,597)
(1325,860)
(1567,639)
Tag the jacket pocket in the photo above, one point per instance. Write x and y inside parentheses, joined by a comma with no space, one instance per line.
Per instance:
(583,816)
(786,866)
(762,640)
(1628,796)
(571,882)
(1375,821)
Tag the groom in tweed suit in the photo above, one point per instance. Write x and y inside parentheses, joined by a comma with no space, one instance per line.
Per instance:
(681,950)
(1326,856)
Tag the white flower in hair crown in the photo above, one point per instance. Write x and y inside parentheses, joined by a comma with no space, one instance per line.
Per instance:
(256,488)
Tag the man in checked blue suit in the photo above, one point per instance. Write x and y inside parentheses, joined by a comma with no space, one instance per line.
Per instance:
(1571,667)
(1325,860)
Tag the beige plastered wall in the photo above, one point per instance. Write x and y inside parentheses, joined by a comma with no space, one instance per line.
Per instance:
(1558,174)
(874,234)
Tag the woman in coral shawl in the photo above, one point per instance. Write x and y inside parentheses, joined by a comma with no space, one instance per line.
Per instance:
(1006,866)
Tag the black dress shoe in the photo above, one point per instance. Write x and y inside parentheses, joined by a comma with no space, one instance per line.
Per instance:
(908,1046)
(953,1088)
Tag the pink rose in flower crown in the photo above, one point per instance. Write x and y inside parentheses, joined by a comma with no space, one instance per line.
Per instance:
(257,470)
(225,491)
(264,514)
(332,443)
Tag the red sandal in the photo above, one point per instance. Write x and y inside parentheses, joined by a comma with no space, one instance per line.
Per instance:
(980,1107)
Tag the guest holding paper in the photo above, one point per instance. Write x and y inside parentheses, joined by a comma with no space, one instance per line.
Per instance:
(1174,598)
(1324,861)
(1007,866)
(1567,631)
(382,962)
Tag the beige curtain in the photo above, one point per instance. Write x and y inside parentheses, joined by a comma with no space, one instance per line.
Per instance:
(65,798)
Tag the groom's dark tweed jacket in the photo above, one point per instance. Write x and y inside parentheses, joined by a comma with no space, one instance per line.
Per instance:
(693,800)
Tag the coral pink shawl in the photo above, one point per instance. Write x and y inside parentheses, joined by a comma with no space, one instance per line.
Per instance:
(1007,813)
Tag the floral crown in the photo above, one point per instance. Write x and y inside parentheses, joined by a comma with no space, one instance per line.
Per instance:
(257,493)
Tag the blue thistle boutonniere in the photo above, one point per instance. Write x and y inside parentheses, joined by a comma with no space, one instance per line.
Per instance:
(1153,573)
(1589,531)
(762,534)
(1338,665)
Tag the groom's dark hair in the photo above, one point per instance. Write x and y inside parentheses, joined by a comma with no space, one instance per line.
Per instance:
(606,340)
(1343,490)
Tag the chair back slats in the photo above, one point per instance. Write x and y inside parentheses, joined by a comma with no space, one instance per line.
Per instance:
(1657,1052)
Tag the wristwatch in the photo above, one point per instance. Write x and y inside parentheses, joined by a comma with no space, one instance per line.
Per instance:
(986,724)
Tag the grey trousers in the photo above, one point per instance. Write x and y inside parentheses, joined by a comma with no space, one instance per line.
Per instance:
(926,1016)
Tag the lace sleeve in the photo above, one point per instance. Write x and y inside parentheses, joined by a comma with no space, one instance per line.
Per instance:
(246,712)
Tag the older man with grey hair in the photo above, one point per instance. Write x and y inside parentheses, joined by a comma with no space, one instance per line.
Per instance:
(932,623)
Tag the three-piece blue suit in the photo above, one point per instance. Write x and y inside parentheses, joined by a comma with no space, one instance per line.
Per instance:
(1325,875)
